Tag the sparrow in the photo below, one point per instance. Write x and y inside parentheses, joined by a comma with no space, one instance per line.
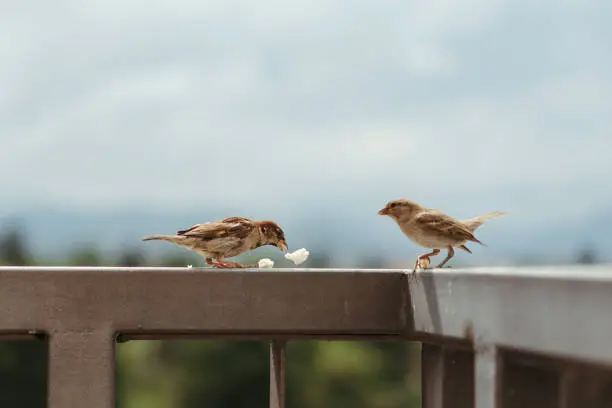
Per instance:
(433,229)
(227,238)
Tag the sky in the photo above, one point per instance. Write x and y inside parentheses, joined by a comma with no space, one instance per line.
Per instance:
(317,108)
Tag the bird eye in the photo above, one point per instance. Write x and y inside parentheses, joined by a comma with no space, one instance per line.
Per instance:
(392,205)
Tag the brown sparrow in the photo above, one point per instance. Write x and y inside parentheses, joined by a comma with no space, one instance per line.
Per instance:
(227,238)
(430,228)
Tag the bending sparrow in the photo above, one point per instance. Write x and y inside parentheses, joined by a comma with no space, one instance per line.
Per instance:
(430,228)
(227,238)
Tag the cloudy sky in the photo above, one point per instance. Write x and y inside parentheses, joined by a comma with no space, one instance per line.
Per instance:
(276,108)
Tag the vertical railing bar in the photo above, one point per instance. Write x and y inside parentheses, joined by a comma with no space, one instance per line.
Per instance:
(565,386)
(432,376)
(487,372)
(81,370)
(277,373)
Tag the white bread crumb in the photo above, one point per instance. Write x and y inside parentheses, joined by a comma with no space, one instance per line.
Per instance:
(265,263)
(298,257)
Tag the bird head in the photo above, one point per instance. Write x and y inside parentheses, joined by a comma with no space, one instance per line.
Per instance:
(399,208)
(273,235)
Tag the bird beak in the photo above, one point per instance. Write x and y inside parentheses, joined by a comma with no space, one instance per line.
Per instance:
(282,245)
(384,211)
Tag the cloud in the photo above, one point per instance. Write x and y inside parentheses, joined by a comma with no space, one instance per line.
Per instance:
(181,104)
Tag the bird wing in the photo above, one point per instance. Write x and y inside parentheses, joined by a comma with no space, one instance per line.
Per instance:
(231,227)
(435,222)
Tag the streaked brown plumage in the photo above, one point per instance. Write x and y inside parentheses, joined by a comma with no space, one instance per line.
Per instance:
(227,238)
(433,229)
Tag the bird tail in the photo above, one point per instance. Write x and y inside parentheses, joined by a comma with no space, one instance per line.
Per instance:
(473,223)
(170,238)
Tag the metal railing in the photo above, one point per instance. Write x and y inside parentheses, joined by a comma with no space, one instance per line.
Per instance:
(492,337)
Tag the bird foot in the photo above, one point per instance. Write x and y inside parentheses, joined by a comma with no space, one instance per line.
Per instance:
(227,265)
(422,262)
(444,266)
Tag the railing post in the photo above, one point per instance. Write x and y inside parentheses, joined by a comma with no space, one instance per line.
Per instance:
(447,376)
(277,374)
(81,370)
(432,376)
(487,376)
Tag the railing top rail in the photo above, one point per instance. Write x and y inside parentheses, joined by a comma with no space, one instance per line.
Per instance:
(574,272)
(559,311)
(600,272)
(201,300)
(562,310)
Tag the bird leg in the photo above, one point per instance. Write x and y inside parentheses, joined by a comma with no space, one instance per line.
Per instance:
(223,264)
(424,257)
(449,255)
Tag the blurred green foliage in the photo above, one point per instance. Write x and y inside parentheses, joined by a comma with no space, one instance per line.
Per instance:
(215,374)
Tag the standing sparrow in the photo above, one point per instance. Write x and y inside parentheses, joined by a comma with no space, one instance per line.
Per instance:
(430,228)
(227,238)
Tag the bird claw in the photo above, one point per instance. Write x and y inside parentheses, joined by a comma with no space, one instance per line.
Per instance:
(227,265)
(422,262)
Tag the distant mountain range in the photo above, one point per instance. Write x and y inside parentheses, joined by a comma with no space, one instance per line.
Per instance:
(54,233)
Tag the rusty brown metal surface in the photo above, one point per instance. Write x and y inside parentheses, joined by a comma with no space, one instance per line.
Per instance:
(81,369)
(83,309)
(494,337)
(140,300)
